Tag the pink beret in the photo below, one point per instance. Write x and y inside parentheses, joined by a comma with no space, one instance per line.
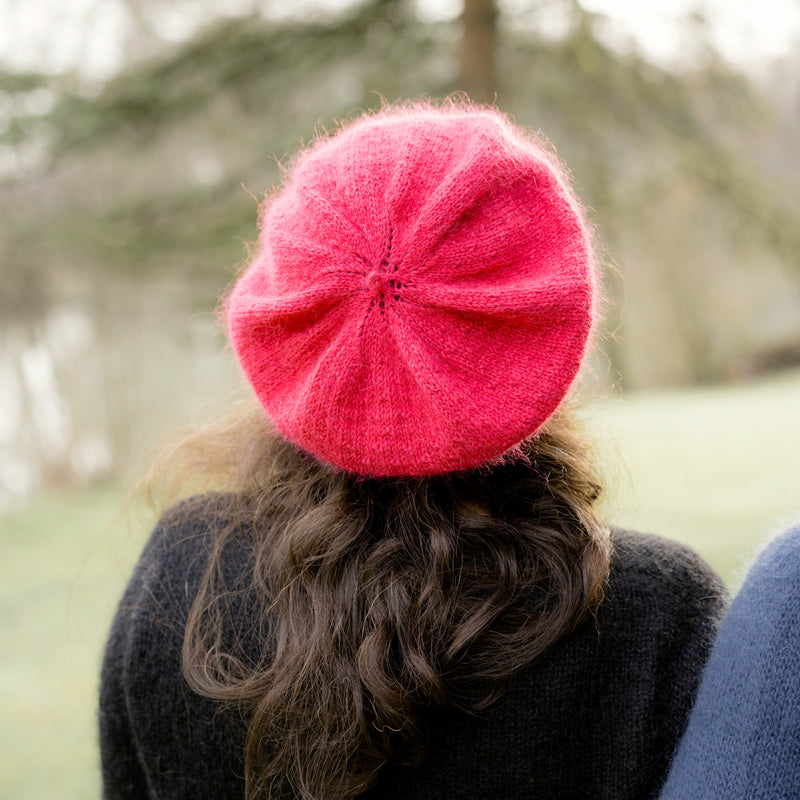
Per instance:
(422,294)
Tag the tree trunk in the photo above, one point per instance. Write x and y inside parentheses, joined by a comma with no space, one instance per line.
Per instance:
(479,19)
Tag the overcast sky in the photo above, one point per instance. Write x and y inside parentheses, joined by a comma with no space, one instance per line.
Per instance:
(53,35)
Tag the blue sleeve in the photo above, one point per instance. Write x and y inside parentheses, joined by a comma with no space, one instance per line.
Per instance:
(743,737)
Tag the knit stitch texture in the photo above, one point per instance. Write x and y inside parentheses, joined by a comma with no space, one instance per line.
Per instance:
(422,294)
(743,739)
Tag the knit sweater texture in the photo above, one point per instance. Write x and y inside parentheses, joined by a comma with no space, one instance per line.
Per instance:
(743,739)
(597,716)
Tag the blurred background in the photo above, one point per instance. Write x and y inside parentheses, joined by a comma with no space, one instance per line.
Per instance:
(136,139)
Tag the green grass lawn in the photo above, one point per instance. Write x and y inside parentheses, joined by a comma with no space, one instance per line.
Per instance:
(66,558)
(716,468)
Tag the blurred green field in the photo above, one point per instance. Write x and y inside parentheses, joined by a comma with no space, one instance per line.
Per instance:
(716,468)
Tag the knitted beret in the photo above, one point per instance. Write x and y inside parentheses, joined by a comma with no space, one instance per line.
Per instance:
(422,293)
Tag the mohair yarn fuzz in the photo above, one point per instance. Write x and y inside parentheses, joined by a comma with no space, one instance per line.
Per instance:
(422,293)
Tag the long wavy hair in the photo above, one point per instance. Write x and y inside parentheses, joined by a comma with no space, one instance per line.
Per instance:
(376,601)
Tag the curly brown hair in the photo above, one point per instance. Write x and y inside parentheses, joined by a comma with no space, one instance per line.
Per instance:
(379,599)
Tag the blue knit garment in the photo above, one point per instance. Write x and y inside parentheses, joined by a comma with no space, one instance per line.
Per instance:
(743,738)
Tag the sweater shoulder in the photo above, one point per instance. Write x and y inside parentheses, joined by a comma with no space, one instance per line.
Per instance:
(176,556)
(189,528)
(645,563)
(776,567)
(662,591)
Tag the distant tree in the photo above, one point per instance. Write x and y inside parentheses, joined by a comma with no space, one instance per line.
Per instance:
(689,173)
(479,19)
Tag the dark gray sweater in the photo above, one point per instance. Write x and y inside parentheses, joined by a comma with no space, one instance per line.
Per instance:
(597,717)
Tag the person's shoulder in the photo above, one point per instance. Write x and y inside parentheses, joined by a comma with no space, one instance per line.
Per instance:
(655,558)
(779,558)
(770,592)
(190,526)
(181,544)
(201,512)
(658,570)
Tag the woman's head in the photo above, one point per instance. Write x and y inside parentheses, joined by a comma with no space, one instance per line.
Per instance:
(424,525)
(422,294)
